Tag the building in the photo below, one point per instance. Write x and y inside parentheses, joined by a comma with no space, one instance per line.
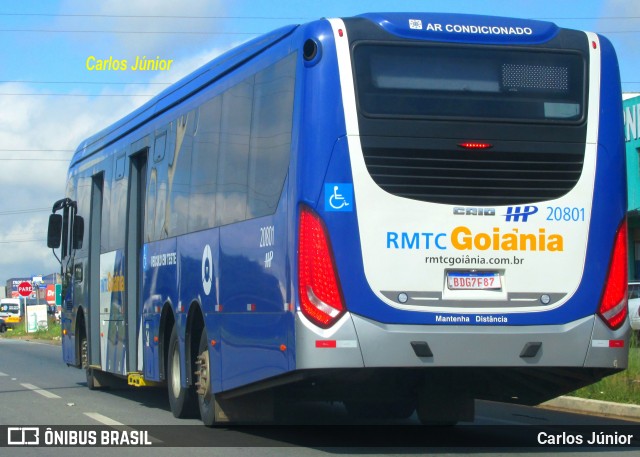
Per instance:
(48,281)
(631,108)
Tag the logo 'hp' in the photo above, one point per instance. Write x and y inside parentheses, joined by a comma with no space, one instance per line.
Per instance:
(520,213)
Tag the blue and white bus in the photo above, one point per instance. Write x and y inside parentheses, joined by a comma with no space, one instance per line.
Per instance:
(397,211)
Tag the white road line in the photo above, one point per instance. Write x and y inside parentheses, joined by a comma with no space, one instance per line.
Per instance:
(3,374)
(114,423)
(40,391)
(104,419)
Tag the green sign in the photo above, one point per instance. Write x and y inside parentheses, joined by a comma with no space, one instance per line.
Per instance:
(59,294)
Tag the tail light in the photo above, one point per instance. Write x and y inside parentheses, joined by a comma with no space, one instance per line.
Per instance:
(613,306)
(475,145)
(318,284)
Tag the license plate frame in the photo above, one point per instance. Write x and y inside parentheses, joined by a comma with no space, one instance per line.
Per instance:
(474,280)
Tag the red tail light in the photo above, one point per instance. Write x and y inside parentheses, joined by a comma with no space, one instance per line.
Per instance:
(613,306)
(318,283)
(475,145)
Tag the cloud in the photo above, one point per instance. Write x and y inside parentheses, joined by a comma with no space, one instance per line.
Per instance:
(625,44)
(33,125)
(144,17)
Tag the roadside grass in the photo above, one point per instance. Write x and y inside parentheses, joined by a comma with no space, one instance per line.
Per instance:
(623,387)
(51,333)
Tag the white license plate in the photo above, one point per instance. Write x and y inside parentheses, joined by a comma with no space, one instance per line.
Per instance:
(476,280)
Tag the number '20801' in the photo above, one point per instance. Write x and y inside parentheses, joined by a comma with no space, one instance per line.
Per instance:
(267,236)
(565,213)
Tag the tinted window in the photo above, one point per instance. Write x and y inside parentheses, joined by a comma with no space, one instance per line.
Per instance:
(469,82)
(204,166)
(118,215)
(150,206)
(270,136)
(179,174)
(235,132)
(106,230)
(227,160)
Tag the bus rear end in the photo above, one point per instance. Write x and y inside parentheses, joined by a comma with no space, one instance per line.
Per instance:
(468,239)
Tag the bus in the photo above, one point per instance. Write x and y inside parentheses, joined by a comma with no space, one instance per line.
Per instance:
(11,311)
(400,212)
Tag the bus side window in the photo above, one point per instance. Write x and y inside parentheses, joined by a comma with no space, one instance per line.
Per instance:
(204,166)
(179,174)
(231,201)
(270,136)
(150,206)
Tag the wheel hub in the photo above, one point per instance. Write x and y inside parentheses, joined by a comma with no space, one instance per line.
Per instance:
(203,386)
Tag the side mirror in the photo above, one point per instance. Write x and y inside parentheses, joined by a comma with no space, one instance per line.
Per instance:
(78,232)
(54,233)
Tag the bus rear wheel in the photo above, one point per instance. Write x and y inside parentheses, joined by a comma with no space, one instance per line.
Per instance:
(181,399)
(206,399)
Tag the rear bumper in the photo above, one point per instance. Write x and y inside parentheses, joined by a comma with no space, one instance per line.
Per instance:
(359,342)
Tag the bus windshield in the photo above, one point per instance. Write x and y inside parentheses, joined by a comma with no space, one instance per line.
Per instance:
(444,81)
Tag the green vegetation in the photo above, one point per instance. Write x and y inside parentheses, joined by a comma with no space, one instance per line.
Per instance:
(52,333)
(622,387)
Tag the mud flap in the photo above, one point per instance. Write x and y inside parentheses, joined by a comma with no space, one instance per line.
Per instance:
(253,407)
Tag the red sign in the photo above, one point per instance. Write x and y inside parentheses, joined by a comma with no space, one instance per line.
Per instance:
(25,289)
(51,294)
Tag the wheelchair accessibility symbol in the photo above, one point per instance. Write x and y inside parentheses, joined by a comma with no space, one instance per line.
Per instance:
(338,197)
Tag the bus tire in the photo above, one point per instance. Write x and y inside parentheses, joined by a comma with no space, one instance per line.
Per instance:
(206,398)
(84,363)
(181,399)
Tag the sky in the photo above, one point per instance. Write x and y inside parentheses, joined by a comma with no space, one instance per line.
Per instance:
(52,97)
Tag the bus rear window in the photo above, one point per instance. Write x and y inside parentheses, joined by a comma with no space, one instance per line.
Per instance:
(469,82)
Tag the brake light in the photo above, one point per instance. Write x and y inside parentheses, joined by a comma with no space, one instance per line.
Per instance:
(475,145)
(613,306)
(318,284)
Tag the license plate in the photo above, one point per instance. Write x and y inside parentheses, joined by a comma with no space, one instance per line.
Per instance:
(473,280)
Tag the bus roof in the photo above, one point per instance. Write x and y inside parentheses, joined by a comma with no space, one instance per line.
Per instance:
(433,26)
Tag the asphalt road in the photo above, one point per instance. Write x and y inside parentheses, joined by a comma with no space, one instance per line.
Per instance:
(36,388)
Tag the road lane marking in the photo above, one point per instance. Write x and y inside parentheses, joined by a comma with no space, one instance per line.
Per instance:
(104,419)
(40,391)
(114,423)
(3,374)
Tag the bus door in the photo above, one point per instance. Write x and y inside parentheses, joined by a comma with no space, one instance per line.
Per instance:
(93,303)
(120,267)
(133,246)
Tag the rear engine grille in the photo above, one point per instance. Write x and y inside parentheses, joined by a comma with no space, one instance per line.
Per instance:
(487,178)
